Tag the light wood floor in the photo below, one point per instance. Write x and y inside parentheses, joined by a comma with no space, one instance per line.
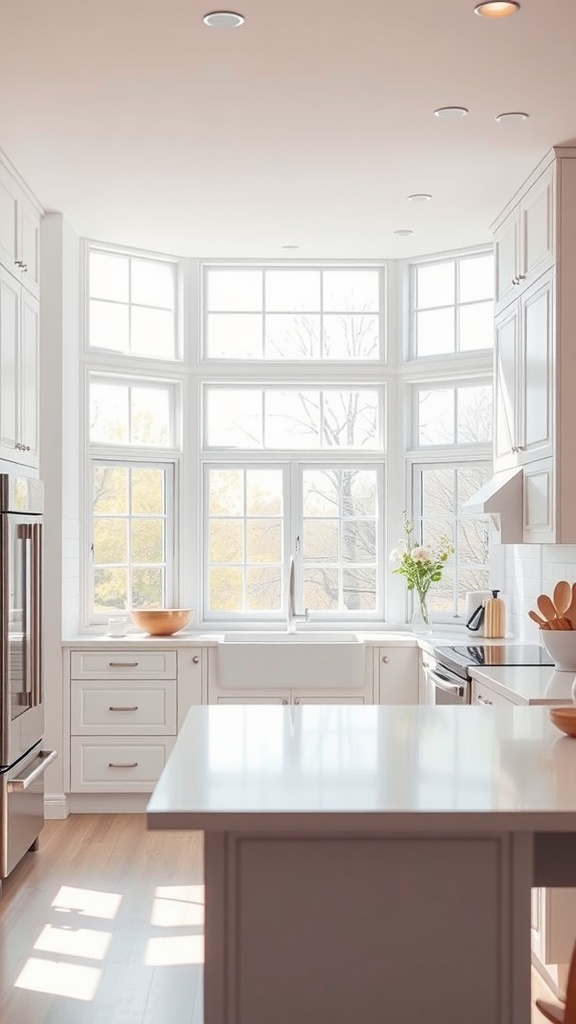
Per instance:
(104,925)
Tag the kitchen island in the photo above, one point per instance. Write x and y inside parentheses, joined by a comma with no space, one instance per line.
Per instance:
(368,863)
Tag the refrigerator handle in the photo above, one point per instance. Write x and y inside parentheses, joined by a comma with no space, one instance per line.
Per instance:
(25,533)
(37,613)
(38,767)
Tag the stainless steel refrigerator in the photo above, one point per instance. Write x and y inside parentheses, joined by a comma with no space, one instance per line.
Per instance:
(23,759)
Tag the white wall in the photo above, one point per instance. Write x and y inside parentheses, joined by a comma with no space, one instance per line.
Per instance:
(532,569)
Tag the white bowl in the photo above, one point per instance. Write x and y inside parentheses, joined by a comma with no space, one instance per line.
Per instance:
(561,646)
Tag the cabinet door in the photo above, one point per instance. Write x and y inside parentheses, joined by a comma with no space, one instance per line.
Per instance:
(29,247)
(506,387)
(537,370)
(397,672)
(506,246)
(10,293)
(9,195)
(29,377)
(537,228)
(539,503)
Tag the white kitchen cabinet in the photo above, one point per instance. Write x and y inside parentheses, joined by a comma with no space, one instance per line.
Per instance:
(535,356)
(524,376)
(292,697)
(553,910)
(19,233)
(397,672)
(524,241)
(19,372)
(125,707)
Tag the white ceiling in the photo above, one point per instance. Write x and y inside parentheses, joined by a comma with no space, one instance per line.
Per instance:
(310,125)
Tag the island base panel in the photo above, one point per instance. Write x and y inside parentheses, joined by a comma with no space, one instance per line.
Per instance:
(325,929)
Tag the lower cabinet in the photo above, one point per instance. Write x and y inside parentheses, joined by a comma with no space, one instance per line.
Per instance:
(396,669)
(553,910)
(125,709)
(290,697)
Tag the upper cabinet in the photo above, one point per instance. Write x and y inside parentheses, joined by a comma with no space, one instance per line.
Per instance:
(19,233)
(524,241)
(535,355)
(19,323)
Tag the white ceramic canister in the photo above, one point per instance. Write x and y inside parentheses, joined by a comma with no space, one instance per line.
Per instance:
(474,601)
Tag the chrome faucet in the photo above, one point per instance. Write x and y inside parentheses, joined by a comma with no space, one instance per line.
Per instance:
(292,618)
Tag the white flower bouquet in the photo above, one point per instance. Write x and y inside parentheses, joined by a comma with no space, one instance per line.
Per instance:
(421,566)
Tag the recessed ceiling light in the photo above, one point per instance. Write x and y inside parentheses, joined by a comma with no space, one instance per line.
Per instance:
(404,232)
(451,113)
(512,115)
(419,197)
(497,8)
(223,19)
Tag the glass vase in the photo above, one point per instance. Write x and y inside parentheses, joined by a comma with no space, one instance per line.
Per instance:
(421,620)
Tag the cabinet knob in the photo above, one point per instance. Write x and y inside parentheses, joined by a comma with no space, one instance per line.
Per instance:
(196,659)
(296,700)
(385,659)
(521,277)
(483,700)
(515,280)
(284,701)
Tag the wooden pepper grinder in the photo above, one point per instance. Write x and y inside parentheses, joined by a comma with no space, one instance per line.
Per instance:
(494,616)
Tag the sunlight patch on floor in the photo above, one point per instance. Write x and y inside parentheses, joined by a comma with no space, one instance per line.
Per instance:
(178,905)
(82,942)
(90,902)
(59,979)
(173,951)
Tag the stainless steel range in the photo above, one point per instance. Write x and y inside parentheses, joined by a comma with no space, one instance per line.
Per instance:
(447,669)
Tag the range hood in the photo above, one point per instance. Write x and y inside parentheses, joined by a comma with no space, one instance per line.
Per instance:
(501,498)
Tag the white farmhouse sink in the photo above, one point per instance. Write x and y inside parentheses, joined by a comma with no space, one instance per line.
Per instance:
(289,661)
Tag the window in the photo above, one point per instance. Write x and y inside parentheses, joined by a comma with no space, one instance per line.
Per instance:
(131,412)
(329,518)
(131,536)
(439,494)
(448,414)
(292,313)
(131,304)
(452,305)
(296,418)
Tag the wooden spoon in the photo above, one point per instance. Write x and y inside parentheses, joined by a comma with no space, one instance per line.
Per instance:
(543,623)
(547,609)
(570,612)
(562,597)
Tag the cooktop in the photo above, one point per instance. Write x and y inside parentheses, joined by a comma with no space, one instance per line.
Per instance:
(492,654)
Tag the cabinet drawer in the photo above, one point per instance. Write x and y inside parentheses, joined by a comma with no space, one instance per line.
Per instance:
(105,764)
(101,707)
(123,663)
(485,696)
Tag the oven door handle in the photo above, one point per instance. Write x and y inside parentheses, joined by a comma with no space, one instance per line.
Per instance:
(457,689)
(36,769)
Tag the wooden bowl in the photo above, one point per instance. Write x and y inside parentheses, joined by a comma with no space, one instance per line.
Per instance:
(564,719)
(161,621)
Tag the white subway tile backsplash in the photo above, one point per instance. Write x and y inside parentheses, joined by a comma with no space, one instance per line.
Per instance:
(532,569)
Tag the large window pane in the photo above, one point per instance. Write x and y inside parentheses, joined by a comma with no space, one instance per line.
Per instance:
(436,416)
(234,418)
(129,537)
(452,306)
(435,332)
(128,414)
(435,285)
(132,305)
(476,326)
(294,313)
(292,290)
(245,531)
(476,278)
(351,290)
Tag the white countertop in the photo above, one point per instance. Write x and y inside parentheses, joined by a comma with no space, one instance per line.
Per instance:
(380,768)
(198,638)
(527,684)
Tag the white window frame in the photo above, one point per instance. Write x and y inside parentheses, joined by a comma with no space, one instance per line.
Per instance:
(484,448)
(293,469)
(319,265)
(174,389)
(171,577)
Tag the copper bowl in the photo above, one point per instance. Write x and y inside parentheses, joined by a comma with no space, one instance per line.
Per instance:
(564,719)
(161,621)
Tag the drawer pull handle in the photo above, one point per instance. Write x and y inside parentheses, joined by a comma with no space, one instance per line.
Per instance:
(122,664)
(122,764)
(118,708)
(482,700)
